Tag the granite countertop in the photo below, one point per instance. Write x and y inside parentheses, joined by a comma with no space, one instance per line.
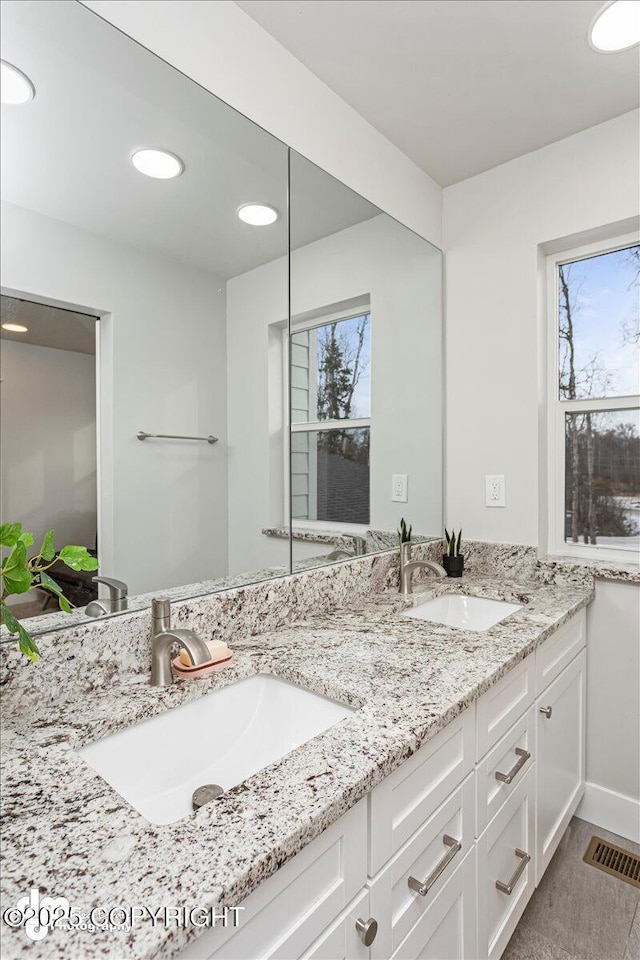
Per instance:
(73,836)
(621,572)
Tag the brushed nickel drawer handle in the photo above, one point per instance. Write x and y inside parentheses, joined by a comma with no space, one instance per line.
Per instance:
(367,930)
(509,887)
(516,768)
(423,888)
(547,711)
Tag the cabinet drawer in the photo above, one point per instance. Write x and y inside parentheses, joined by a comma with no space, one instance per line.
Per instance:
(511,830)
(447,928)
(290,910)
(341,940)
(409,795)
(394,904)
(502,761)
(500,707)
(557,651)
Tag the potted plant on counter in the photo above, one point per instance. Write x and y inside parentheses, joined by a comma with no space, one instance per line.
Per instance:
(404,533)
(21,573)
(453,560)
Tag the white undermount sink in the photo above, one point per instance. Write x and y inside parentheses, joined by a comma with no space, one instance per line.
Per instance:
(221,738)
(467,613)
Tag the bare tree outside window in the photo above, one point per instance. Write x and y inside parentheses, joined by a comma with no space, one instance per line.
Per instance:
(337,388)
(598,359)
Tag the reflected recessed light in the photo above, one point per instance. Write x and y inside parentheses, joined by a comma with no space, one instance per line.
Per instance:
(159,164)
(616,26)
(257,214)
(14,327)
(15,86)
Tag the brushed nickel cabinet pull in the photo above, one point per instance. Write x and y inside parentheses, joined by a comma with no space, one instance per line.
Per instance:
(423,888)
(367,930)
(509,887)
(547,711)
(516,768)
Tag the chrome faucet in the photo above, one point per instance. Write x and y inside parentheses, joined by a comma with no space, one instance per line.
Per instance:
(358,549)
(117,598)
(407,566)
(163,639)
(339,553)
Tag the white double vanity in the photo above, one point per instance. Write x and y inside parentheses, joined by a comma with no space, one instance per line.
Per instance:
(474,817)
(392,787)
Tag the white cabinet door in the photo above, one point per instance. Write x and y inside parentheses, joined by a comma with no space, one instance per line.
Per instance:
(293,908)
(427,860)
(499,708)
(560,751)
(506,851)
(410,795)
(447,930)
(501,770)
(342,940)
(559,649)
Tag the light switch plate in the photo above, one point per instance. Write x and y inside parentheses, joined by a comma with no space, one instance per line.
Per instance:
(495,495)
(399,488)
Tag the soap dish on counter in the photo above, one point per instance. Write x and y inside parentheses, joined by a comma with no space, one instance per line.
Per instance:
(204,670)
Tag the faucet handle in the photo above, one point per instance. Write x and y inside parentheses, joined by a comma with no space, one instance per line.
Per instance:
(117,588)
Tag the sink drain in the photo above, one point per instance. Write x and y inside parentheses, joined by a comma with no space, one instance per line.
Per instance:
(205,794)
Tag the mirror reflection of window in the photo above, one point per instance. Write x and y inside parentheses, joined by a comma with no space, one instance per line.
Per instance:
(331,384)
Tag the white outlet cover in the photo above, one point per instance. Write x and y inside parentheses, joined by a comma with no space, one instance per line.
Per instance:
(399,488)
(495,495)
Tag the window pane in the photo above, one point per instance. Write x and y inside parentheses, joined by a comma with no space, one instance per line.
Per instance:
(330,476)
(602,478)
(598,309)
(331,371)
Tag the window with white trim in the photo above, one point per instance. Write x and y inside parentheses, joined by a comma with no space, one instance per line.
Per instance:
(330,362)
(594,402)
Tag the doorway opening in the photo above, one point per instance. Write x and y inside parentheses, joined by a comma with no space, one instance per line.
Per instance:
(48,446)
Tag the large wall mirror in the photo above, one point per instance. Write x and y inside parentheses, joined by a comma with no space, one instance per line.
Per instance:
(199,345)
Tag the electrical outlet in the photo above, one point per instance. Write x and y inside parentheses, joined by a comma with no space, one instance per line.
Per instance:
(399,487)
(494,491)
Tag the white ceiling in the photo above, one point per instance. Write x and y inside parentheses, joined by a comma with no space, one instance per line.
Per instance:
(460,86)
(99,96)
(48,326)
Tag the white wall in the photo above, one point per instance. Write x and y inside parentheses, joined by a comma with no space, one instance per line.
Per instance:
(256,315)
(494,226)
(613,707)
(48,441)
(162,369)
(401,275)
(220,46)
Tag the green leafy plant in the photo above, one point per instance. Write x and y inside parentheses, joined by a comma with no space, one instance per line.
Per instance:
(21,573)
(453,543)
(404,534)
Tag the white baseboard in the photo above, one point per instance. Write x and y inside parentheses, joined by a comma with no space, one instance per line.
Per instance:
(611,811)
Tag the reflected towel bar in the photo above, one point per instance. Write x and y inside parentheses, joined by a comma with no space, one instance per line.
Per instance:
(141,435)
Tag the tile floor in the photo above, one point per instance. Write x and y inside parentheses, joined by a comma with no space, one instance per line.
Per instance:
(579,912)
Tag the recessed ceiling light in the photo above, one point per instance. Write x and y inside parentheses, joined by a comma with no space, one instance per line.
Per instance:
(257,214)
(156,163)
(15,86)
(616,26)
(14,327)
